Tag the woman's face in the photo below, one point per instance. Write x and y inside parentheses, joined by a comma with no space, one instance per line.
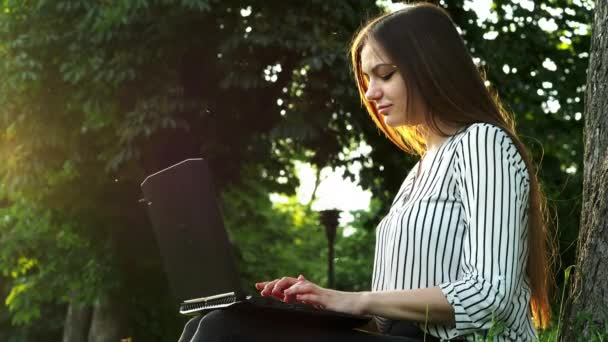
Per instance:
(387,90)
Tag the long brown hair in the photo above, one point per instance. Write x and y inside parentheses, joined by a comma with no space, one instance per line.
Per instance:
(424,44)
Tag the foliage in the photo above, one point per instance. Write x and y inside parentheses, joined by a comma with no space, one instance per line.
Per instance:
(355,249)
(273,239)
(29,234)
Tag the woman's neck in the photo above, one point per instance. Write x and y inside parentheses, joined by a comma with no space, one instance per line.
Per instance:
(434,139)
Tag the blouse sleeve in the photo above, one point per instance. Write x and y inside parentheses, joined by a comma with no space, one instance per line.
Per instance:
(493,184)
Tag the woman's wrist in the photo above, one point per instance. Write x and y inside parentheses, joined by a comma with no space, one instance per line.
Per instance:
(363,303)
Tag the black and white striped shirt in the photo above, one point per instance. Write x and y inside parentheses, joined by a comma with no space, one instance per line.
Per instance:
(461,225)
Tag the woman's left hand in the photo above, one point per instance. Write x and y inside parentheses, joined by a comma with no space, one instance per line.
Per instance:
(328,299)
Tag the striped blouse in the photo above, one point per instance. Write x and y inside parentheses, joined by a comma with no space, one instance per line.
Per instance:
(461,225)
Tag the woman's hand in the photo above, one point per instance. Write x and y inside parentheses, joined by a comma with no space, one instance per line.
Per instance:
(328,299)
(300,290)
(276,288)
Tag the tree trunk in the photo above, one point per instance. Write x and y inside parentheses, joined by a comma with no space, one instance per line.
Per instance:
(109,323)
(77,323)
(588,298)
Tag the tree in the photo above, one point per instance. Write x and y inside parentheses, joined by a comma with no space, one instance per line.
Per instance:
(587,311)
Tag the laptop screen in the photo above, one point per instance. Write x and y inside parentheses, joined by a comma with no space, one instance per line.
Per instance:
(194,246)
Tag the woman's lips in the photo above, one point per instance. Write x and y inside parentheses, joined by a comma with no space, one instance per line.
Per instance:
(384,109)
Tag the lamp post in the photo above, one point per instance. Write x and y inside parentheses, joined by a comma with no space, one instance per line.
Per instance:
(329,219)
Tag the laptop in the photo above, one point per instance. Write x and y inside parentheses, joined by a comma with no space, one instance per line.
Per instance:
(196,252)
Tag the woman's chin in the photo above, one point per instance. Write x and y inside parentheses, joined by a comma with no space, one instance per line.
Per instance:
(392,121)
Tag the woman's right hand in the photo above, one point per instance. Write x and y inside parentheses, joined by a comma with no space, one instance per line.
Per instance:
(277,287)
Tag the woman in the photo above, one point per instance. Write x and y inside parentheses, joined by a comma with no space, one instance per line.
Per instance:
(463,248)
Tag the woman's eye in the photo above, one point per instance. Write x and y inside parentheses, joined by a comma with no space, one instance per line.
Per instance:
(387,76)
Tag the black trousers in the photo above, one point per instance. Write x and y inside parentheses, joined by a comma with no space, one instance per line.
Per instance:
(238,325)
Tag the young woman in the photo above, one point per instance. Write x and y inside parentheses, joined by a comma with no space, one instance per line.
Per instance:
(463,248)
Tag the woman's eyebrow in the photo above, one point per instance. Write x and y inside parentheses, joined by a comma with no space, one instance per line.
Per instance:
(377,66)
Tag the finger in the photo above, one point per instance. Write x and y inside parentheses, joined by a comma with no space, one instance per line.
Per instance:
(300,288)
(301,277)
(281,285)
(289,298)
(268,288)
(260,285)
(267,291)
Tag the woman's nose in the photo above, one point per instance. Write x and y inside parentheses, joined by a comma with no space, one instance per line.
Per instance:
(373,93)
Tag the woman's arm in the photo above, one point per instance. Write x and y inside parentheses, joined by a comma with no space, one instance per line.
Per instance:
(493,184)
(420,305)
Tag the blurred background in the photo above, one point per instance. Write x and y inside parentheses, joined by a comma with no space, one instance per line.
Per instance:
(95,95)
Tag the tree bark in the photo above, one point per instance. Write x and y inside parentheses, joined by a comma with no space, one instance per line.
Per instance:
(77,323)
(109,323)
(588,298)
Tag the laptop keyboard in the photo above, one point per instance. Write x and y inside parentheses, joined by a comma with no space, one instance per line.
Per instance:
(275,303)
(194,306)
(202,305)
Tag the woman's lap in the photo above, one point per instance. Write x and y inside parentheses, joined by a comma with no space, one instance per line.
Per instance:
(242,325)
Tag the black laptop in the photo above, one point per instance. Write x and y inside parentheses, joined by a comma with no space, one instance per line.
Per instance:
(196,252)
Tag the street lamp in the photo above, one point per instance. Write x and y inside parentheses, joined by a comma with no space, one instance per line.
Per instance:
(329,218)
